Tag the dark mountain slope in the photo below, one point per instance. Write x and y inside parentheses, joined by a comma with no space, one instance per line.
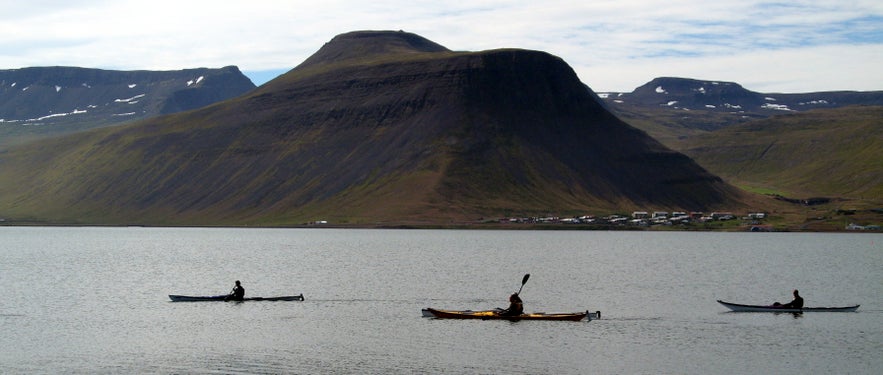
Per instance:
(406,133)
(56,100)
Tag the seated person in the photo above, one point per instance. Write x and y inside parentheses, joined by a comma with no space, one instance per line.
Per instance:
(797,303)
(237,294)
(516,307)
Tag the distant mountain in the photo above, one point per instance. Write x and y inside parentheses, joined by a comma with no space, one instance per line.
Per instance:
(375,127)
(51,100)
(675,108)
(695,95)
(799,146)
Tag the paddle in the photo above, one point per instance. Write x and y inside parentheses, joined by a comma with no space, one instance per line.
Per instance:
(523,281)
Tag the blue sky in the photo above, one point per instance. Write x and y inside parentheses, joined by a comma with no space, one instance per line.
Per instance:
(613,45)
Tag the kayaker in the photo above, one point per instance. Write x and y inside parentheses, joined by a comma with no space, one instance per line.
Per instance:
(516,307)
(237,294)
(797,303)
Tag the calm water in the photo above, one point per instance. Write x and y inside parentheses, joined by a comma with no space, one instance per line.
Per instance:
(94,300)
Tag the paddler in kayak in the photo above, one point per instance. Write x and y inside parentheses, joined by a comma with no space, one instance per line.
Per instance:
(796,303)
(237,294)
(516,307)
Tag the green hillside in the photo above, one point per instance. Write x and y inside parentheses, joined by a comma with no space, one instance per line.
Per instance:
(822,153)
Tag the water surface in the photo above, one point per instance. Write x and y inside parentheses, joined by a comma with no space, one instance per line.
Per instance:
(94,300)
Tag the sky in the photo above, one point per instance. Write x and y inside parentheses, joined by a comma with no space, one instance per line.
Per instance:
(774,46)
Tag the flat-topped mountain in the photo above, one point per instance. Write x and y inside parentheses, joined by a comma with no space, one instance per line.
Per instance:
(50,100)
(376,127)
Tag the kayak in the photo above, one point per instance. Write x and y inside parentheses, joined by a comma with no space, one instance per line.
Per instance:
(178,298)
(495,315)
(757,308)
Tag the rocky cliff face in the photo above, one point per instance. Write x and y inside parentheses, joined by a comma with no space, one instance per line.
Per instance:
(405,131)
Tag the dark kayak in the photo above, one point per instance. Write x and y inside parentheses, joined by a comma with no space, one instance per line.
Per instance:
(495,315)
(178,298)
(759,308)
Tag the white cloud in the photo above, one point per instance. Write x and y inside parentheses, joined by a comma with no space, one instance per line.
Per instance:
(614,45)
(825,68)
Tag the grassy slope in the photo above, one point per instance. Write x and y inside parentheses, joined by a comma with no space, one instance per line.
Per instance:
(668,126)
(823,153)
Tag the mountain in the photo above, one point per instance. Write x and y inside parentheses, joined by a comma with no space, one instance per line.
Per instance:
(375,127)
(730,97)
(821,148)
(671,108)
(55,100)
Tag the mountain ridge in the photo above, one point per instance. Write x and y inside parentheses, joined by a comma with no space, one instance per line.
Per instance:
(672,109)
(43,101)
(695,94)
(433,136)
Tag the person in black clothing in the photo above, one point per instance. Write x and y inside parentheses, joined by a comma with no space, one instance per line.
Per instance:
(797,303)
(237,294)
(516,307)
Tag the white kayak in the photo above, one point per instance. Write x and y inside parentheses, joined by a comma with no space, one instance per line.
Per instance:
(225,298)
(760,308)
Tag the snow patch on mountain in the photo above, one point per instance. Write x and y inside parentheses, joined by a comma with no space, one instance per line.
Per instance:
(74,112)
(777,107)
(195,82)
(815,102)
(131,100)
